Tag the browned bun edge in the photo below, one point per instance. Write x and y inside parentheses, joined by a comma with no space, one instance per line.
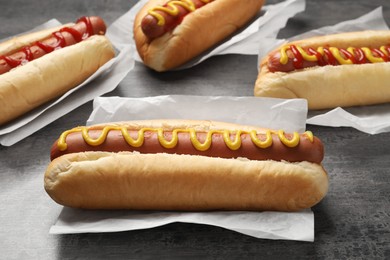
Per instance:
(199,31)
(331,86)
(15,43)
(39,81)
(103,180)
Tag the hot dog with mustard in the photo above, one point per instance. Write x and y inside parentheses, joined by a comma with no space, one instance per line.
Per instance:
(186,165)
(346,69)
(169,33)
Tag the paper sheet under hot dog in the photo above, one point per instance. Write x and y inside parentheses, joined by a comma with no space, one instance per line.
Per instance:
(369,119)
(272,113)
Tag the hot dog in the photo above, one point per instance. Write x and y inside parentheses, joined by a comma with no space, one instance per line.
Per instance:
(346,69)
(169,33)
(162,19)
(185,165)
(49,64)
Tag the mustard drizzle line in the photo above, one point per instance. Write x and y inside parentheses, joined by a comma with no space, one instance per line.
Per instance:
(335,52)
(172,9)
(232,144)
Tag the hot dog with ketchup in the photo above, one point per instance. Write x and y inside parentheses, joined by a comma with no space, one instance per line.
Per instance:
(186,165)
(346,69)
(46,64)
(169,33)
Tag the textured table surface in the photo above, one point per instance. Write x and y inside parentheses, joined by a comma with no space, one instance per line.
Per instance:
(352,222)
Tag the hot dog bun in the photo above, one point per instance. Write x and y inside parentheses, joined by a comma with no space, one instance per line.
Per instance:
(162,181)
(39,81)
(196,33)
(332,86)
(182,182)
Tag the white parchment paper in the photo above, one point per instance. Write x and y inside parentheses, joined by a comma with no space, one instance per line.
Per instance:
(268,225)
(272,113)
(369,119)
(102,81)
(289,115)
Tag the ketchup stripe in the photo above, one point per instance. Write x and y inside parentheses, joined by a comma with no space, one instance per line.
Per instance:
(11,62)
(380,54)
(88,24)
(28,54)
(298,60)
(60,39)
(361,58)
(348,55)
(77,36)
(320,58)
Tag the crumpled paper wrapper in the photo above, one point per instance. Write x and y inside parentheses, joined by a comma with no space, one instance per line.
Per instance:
(267,225)
(289,115)
(373,119)
(102,81)
(272,113)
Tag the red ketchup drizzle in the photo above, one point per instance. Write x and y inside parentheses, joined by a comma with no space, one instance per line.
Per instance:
(14,62)
(60,39)
(359,56)
(77,36)
(330,59)
(11,62)
(320,58)
(348,55)
(380,54)
(298,59)
(387,48)
(28,53)
(88,24)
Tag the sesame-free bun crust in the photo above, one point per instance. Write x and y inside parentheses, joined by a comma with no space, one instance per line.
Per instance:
(103,180)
